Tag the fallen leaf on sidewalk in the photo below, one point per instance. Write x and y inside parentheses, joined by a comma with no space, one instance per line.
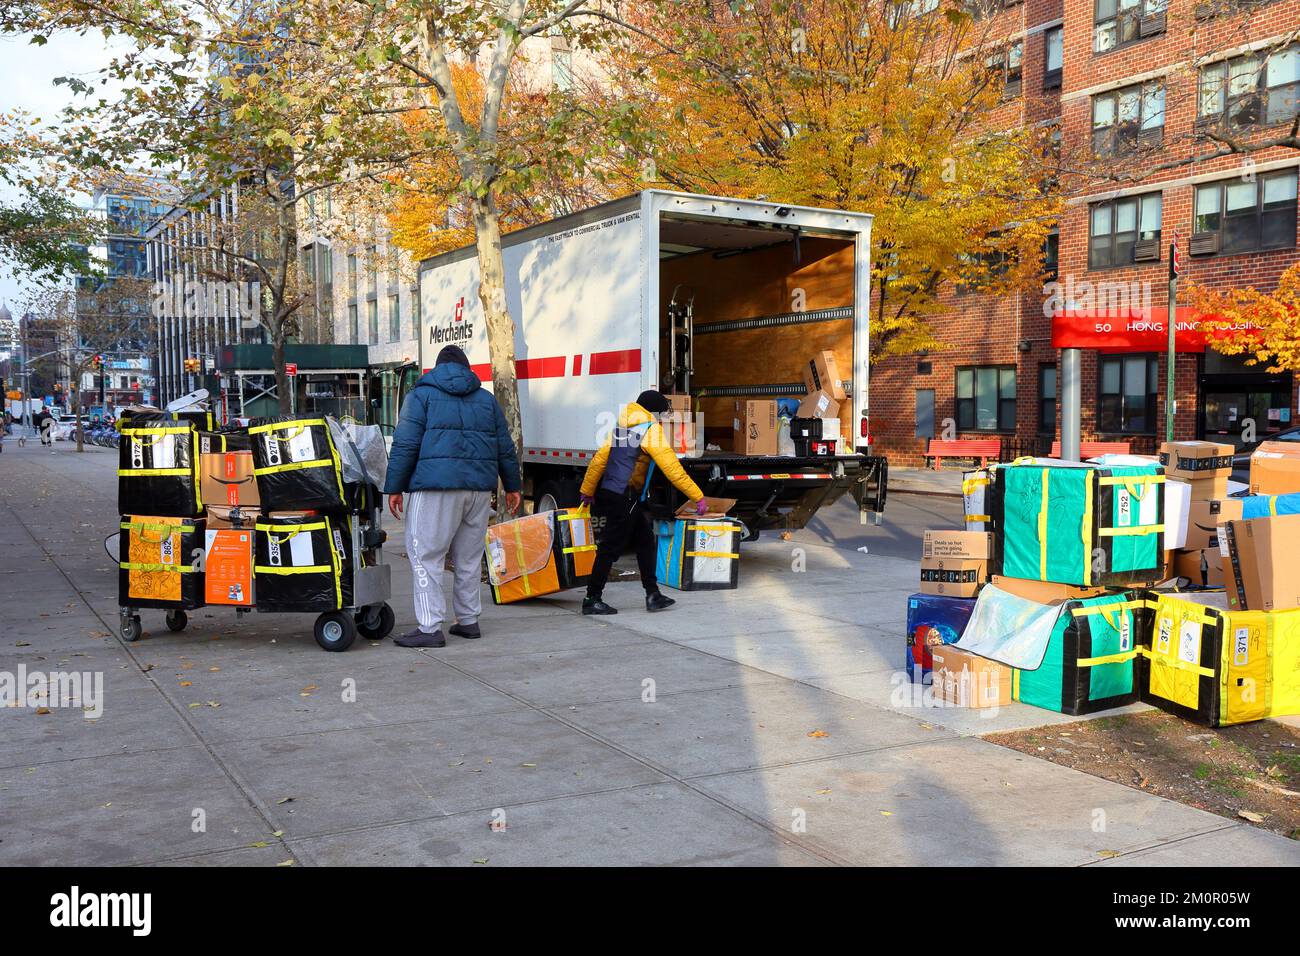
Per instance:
(1108,854)
(258,845)
(818,733)
(42,710)
(23,644)
(1251,815)
(284,800)
(187,683)
(481,860)
(285,863)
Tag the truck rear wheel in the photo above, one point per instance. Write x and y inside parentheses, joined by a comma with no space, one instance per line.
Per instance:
(555,494)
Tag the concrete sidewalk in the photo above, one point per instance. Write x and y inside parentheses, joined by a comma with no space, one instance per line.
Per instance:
(758,726)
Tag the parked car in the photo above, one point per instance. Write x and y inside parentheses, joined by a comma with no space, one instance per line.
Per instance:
(65,427)
(1241,460)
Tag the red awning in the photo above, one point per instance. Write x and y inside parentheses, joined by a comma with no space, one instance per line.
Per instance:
(1131,330)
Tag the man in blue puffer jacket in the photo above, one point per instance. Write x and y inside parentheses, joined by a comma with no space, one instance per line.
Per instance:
(450,447)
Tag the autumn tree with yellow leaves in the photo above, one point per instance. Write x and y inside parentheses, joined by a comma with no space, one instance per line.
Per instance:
(877,108)
(1264,326)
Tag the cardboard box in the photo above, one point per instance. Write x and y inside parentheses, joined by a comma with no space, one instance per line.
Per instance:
(228,566)
(679,402)
(957,544)
(1205,519)
(227,479)
(964,680)
(953,577)
(1045,592)
(232,516)
(1204,568)
(717,507)
(754,427)
(819,404)
(684,433)
(1196,459)
(821,374)
(1275,468)
(1265,574)
(1202,489)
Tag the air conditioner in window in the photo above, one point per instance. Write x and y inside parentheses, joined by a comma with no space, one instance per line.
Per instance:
(1152,24)
(1146,250)
(1204,244)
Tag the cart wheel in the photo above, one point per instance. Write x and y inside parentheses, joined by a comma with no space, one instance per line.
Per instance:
(377,623)
(335,631)
(176,620)
(130,629)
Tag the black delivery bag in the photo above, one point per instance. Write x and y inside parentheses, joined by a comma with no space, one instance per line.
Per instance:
(302,562)
(158,469)
(296,464)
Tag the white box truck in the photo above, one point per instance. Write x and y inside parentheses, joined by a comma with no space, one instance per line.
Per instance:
(726,300)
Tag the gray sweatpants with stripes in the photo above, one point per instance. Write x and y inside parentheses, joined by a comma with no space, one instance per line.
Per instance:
(438,522)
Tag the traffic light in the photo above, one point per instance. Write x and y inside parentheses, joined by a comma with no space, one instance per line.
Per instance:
(97,362)
(192,365)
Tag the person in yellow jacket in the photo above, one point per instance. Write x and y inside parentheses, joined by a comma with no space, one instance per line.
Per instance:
(615,488)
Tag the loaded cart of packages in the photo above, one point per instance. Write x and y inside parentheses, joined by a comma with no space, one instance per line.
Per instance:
(294,524)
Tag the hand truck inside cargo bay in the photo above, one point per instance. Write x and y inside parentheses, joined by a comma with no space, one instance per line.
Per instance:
(360,578)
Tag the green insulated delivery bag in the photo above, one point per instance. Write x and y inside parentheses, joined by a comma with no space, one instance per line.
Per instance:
(158,469)
(1079,524)
(160,562)
(1073,657)
(296,464)
(300,563)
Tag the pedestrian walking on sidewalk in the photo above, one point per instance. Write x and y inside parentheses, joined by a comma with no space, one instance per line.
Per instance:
(615,487)
(451,446)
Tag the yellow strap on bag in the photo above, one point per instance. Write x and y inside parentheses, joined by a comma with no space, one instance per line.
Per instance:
(294,466)
(140,566)
(521,557)
(722,528)
(979,517)
(1042,530)
(1172,660)
(968,485)
(157,430)
(712,554)
(1137,530)
(1108,658)
(296,427)
(1086,532)
(309,569)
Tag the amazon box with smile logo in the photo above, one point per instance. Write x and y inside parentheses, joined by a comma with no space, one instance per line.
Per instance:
(227,479)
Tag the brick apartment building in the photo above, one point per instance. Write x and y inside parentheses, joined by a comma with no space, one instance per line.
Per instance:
(1136,88)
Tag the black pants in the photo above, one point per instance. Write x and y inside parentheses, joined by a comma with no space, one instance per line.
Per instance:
(617,520)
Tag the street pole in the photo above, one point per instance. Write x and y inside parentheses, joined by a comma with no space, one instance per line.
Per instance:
(1071,403)
(1171,403)
(27,375)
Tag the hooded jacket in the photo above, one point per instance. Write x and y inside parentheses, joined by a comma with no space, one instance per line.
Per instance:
(653,445)
(451,436)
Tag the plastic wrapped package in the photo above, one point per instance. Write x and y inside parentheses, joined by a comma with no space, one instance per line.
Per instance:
(698,554)
(932,620)
(300,563)
(363,454)
(296,464)
(1073,657)
(1220,667)
(974,485)
(521,559)
(160,562)
(1079,524)
(158,469)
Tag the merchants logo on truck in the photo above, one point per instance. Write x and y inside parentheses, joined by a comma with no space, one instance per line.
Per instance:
(457,332)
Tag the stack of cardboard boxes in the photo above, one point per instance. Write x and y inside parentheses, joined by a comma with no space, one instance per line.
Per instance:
(1077,599)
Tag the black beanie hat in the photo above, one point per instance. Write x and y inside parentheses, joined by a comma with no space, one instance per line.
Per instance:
(452,353)
(653,402)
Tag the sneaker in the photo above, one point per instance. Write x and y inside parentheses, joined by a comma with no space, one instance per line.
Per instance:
(658,602)
(418,638)
(597,606)
(468,631)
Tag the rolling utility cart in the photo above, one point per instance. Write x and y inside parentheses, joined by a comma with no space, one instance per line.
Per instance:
(327,563)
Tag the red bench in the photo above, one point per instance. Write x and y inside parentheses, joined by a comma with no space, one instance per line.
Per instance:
(1094,449)
(973,448)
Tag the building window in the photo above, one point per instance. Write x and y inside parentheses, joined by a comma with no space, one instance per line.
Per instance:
(1250,90)
(986,399)
(352,275)
(1047,399)
(394,319)
(372,320)
(1126,400)
(1007,65)
(1123,231)
(1242,215)
(370,270)
(354,330)
(1120,22)
(562,70)
(1054,59)
(1125,119)
(1052,255)
(415,314)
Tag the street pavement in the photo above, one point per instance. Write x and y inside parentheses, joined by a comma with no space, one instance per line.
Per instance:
(762,726)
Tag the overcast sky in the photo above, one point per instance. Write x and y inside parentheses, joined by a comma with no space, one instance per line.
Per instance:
(27,82)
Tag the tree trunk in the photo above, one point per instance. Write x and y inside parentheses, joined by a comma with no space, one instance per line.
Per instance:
(283,383)
(500,327)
